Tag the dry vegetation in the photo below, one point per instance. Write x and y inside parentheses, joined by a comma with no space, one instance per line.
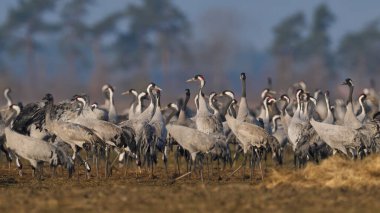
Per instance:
(336,184)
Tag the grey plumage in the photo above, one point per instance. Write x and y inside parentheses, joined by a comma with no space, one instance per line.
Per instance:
(279,131)
(362,115)
(350,119)
(88,111)
(296,124)
(76,135)
(205,121)
(248,134)
(329,119)
(182,117)
(342,137)
(36,151)
(193,140)
(244,113)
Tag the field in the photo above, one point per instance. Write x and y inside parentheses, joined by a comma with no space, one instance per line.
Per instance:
(337,184)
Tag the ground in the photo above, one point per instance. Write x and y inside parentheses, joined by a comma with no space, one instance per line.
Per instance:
(337,184)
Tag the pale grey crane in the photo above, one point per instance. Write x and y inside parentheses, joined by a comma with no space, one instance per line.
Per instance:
(196,142)
(213,106)
(7,97)
(112,114)
(92,112)
(110,133)
(136,107)
(244,113)
(320,107)
(76,135)
(37,152)
(252,137)
(362,115)
(339,111)
(350,119)
(131,110)
(3,124)
(6,113)
(285,117)
(296,123)
(159,134)
(329,119)
(174,110)
(267,101)
(182,119)
(205,121)
(343,138)
(278,131)
(140,125)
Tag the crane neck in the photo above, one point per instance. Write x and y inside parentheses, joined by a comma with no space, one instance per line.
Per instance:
(139,104)
(212,105)
(230,109)
(185,103)
(327,102)
(274,121)
(9,100)
(305,109)
(283,109)
(298,109)
(349,100)
(202,104)
(182,112)
(244,88)
(266,109)
(361,105)
(170,116)
(135,101)
(49,107)
(328,105)
(151,96)
(158,100)
(111,100)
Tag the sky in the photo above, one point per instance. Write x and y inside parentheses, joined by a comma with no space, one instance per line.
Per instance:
(255,18)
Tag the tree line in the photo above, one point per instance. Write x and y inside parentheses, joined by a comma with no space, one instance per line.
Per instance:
(48,41)
(303,49)
(140,34)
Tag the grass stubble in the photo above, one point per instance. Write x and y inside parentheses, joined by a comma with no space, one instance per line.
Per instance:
(337,184)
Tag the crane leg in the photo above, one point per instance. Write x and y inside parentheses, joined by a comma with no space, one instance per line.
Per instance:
(218,168)
(176,156)
(19,166)
(200,160)
(7,155)
(97,160)
(126,160)
(208,167)
(243,164)
(251,163)
(259,162)
(166,166)
(106,162)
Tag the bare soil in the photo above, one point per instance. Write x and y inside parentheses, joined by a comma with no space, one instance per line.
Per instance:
(337,184)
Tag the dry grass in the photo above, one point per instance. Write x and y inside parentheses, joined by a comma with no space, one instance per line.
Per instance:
(337,184)
(335,172)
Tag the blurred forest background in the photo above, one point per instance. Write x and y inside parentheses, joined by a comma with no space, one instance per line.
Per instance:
(53,46)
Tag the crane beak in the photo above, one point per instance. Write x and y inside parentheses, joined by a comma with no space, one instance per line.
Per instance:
(191,80)
(314,101)
(125,93)
(157,88)
(272,100)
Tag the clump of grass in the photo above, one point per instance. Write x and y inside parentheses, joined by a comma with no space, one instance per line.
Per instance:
(335,172)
